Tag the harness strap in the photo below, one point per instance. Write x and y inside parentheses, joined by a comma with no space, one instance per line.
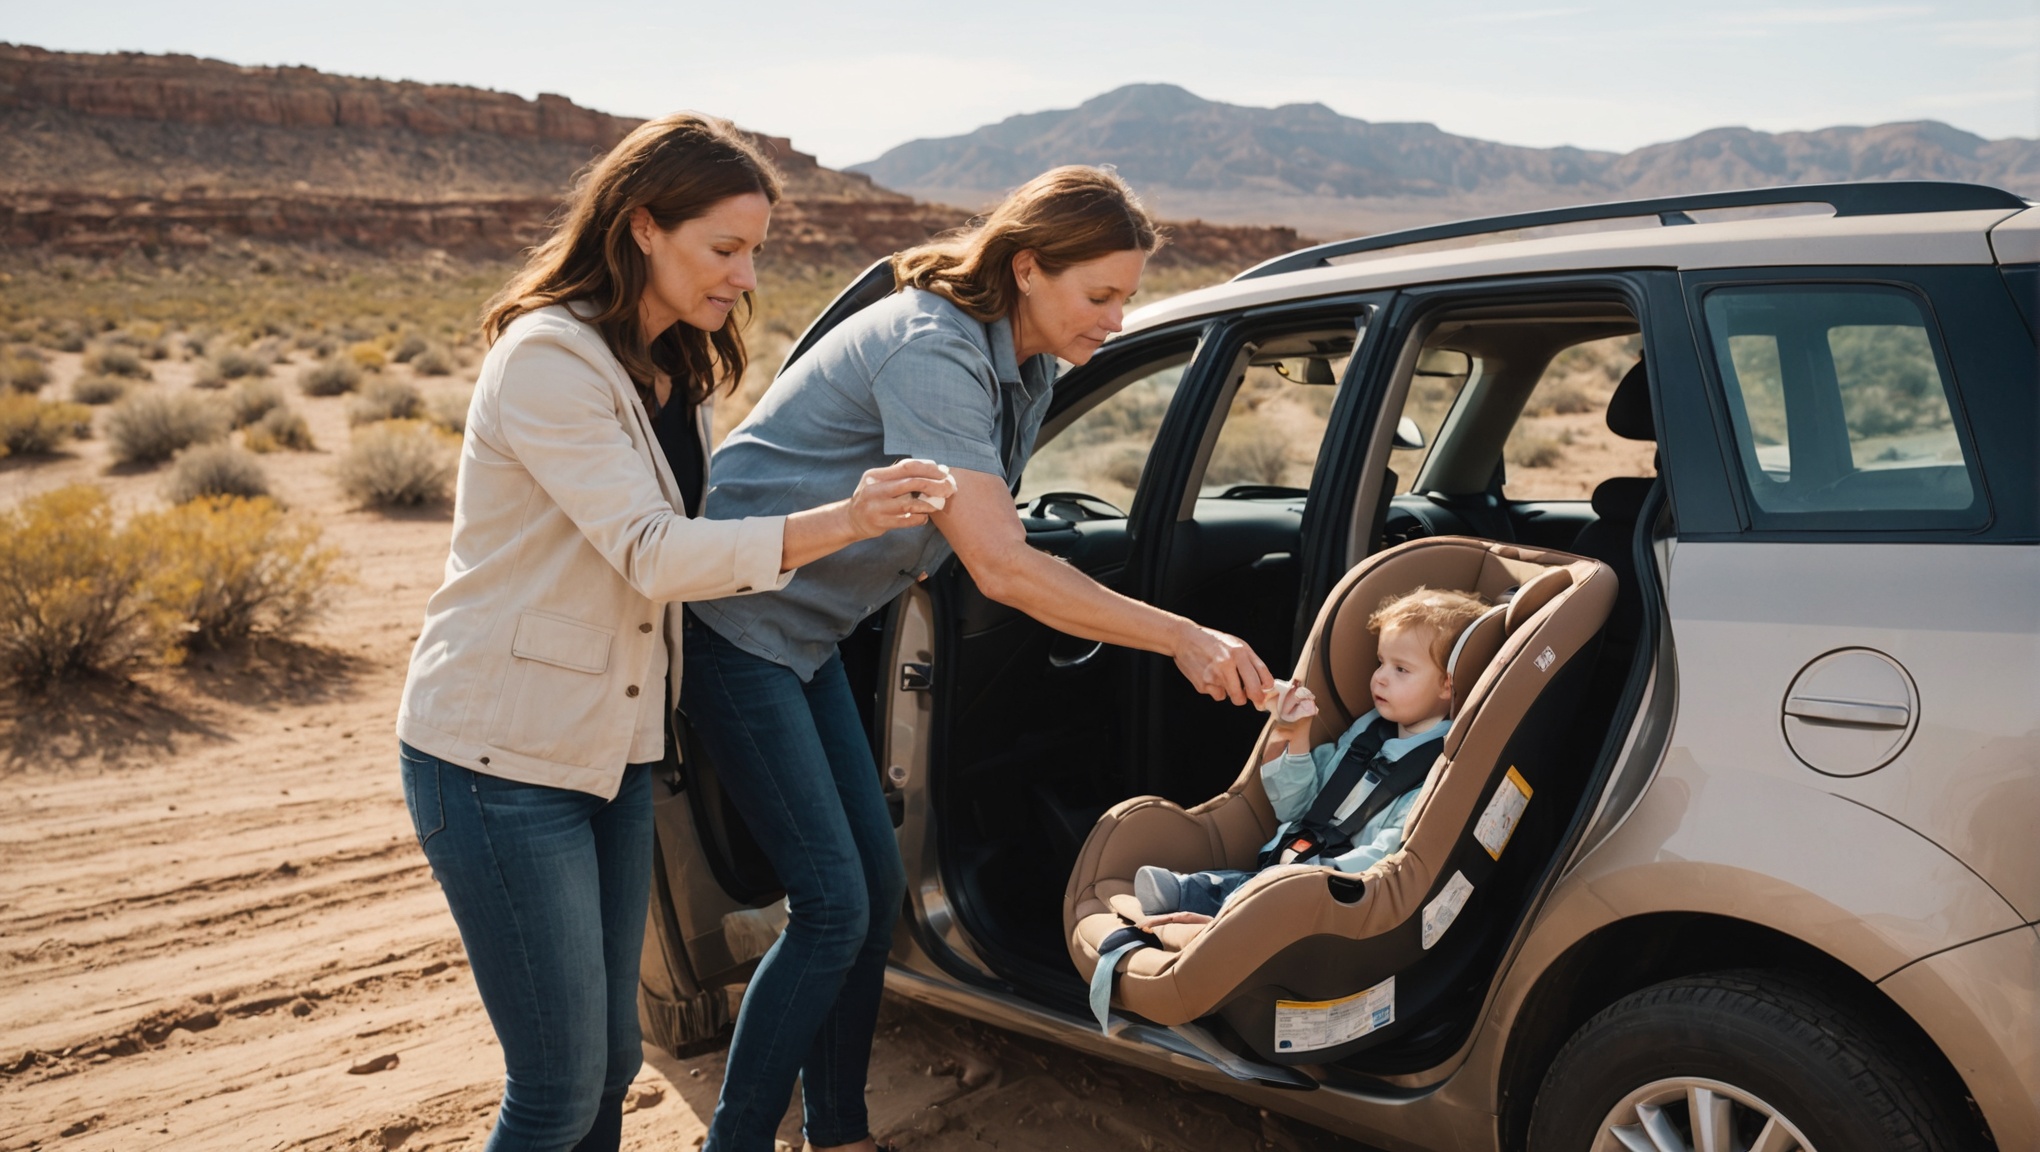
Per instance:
(1110,951)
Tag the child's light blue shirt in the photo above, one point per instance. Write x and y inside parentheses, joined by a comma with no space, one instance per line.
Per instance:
(1293,782)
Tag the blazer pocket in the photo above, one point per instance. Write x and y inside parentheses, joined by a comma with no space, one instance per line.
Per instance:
(566,643)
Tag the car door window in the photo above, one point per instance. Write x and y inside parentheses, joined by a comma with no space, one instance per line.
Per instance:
(1274,425)
(1842,404)
(1561,446)
(1104,450)
(1441,375)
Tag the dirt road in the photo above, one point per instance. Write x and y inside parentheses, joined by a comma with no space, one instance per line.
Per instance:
(217,931)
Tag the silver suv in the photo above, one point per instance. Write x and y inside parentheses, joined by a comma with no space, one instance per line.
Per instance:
(1787,892)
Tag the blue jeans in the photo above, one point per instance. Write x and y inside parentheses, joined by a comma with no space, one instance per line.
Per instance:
(549,888)
(795,760)
(1206,892)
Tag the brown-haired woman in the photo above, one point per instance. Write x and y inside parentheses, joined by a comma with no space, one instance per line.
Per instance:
(955,367)
(544,676)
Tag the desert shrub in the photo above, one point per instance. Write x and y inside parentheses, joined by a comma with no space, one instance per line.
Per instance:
(68,339)
(367,354)
(1561,396)
(234,567)
(215,470)
(1249,450)
(408,348)
(385,400)
(32,427)
(433,361)
(114,360)
(239,363)
(279,428)
(98,389)
(448,411)
(154,349)
(208,376)
(253,400)
(24,373)
(1533,449)
(397,462)
(151,427)
(330,378)
(71,588)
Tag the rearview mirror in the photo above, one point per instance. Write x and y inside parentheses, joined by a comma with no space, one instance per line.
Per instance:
(1407,434)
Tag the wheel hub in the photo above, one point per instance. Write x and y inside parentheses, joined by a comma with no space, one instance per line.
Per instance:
(1692,1114)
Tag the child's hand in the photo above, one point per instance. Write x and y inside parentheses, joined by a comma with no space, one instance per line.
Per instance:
(1289,702)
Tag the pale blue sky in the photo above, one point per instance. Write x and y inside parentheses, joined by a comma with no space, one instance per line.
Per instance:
(847,80)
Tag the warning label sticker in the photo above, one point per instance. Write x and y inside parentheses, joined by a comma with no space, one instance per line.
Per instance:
(1306,1025)
(1444,909)
(1504,808)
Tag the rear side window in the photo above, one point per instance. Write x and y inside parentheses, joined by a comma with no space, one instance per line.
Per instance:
(1843,409)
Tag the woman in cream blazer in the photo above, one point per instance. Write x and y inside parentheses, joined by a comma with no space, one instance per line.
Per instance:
(548,665)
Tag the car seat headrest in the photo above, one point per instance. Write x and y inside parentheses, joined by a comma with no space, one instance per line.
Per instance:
(1629,408)
(1474,651)
(1535,594)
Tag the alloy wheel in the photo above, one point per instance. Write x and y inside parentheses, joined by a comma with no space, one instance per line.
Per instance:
(1690,1114)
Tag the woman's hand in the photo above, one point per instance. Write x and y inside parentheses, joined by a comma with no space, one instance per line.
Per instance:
(1220,666)
(899,495)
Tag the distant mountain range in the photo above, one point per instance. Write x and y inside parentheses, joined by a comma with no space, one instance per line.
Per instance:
(1310,167)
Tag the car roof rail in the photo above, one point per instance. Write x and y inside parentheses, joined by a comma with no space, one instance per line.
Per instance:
(1861,198)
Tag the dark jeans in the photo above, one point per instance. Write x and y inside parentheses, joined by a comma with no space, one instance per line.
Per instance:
(796,761)
(1206,892)
(549,887)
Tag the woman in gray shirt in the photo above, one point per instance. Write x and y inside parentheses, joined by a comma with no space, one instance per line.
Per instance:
(956,367)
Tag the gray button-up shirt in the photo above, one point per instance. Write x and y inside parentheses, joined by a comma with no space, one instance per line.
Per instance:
(912,375)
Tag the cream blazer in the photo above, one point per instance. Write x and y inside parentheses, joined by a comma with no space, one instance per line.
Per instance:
(562,597)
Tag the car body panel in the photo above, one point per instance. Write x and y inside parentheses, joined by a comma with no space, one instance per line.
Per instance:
(1963,621)
(1980,1003)
(1936,238)
(2017,240)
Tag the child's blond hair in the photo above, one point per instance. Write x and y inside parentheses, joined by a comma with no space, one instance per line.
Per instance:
(1445,611)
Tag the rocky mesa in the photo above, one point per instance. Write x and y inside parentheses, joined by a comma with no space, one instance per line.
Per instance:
(102,153)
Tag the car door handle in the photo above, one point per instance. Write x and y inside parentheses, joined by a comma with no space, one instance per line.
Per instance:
(1855,713)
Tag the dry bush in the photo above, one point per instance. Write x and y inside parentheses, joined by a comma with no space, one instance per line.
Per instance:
(98,389)
(279,428)
(70,588)
(240,363)
(1249,450)
(330,378)
(367,354)
(68,339)
(385,400)
(1531,449)
(408,348)
(32,427)
(253,400)
(1561,396)
(433,361)
(151,427)
(232,568)
(397,463)
(448,411)
(210,470)
(24,372)
(114,360)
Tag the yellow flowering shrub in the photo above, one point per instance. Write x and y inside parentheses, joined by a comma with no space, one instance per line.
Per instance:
(71,588)
(233,567)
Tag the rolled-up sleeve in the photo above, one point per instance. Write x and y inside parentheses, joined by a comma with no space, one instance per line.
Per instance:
(938,399)
(558,418)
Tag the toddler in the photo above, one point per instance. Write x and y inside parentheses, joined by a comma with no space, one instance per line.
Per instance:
(1343,804)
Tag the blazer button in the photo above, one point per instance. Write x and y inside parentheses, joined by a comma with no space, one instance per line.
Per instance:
(630,691)
(644,627)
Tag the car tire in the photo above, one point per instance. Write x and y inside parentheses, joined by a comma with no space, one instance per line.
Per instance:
(1751,1052)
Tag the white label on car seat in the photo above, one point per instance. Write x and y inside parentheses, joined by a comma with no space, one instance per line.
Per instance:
(1504,808)
(1307,1025)
(1444,909)
(1545,660)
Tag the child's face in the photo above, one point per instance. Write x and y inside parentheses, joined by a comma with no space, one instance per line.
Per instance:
(1409,686)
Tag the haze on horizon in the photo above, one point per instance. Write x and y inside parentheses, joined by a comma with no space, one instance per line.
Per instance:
(847,82)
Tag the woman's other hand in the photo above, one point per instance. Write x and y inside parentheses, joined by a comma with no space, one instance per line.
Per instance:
(899,495)
(1221,666)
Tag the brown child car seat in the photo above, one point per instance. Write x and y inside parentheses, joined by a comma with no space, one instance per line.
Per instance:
(1307,964)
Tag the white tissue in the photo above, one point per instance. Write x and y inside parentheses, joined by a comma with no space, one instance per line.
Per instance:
(938,500)
(1289,702)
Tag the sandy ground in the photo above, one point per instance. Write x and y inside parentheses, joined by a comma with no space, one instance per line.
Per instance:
(217,931)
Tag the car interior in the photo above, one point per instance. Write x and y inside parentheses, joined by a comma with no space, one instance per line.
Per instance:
(1031,762)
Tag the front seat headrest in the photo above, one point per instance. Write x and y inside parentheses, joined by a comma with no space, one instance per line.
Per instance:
(1629,409)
